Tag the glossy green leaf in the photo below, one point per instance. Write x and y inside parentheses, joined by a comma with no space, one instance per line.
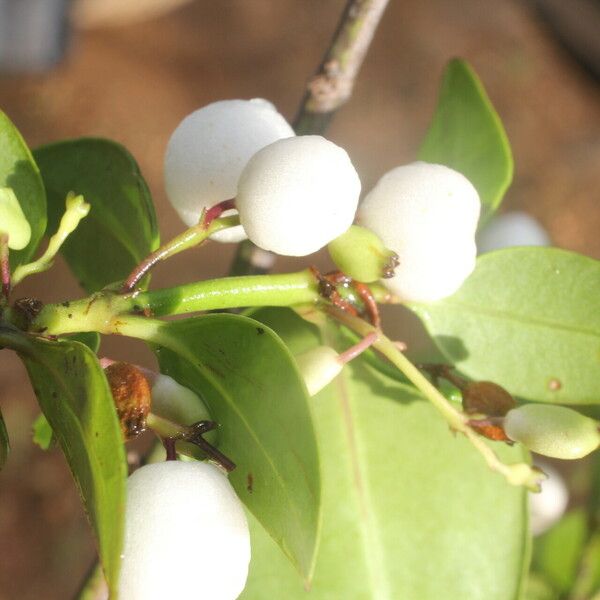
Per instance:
(409,510)
(75,398)
(527,319)
(4,443)
(466,134)
(120,229)
(42,432)
(249,381)
(19,172)
(90,338)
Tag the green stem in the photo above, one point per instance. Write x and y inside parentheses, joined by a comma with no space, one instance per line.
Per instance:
(188,239)
(166,428)
(96,312)
(516,474)
(76,209)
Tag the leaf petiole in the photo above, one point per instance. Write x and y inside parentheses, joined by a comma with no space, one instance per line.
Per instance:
(516,474)
(191,237)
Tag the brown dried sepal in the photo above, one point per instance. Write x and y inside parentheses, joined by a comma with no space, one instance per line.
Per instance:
(486,398)
(132,395)
(490,430)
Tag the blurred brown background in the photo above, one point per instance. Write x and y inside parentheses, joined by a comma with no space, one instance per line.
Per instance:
(135,81)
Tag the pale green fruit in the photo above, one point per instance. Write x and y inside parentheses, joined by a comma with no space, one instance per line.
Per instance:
(361,255)
(179,404)
(553,431)
(319,367)
(13,221)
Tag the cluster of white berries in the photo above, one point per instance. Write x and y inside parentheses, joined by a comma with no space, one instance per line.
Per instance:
(296,194)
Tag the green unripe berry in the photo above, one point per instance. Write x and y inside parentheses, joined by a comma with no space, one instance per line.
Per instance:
(553,431)
(361,255)
(319,367)
(13,221)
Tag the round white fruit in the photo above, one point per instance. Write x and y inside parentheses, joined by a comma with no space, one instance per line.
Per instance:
(547,507)
(512,229)
(186,534)
(428,215)
(298,194)
(208,151)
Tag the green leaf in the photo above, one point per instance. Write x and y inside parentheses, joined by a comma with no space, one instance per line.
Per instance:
(42,432)
(120,229)
(557,553)
(4,442)
(527,319)
(19,172)
(75,398)
(409,510)
(90,338)
(249,381)
(467,135)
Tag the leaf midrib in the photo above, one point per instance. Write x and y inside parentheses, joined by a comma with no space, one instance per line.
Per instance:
(373,557)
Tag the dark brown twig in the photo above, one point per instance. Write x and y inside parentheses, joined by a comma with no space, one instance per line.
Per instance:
(332,84)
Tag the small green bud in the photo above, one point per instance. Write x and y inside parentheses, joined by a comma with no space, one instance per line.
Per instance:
(361,255)
(553,431)
(13,221)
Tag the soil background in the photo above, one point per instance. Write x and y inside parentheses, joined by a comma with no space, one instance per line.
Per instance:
(134,83)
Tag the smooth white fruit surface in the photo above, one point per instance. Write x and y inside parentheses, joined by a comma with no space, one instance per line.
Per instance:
(298,194)
(208,151)
(428,215)
(512,229)
(186,535)
(547,507)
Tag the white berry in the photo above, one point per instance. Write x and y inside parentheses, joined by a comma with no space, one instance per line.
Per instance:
(208,151)
(512,229)
(298,194)
(186,534)
(428,215)
(547,507)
